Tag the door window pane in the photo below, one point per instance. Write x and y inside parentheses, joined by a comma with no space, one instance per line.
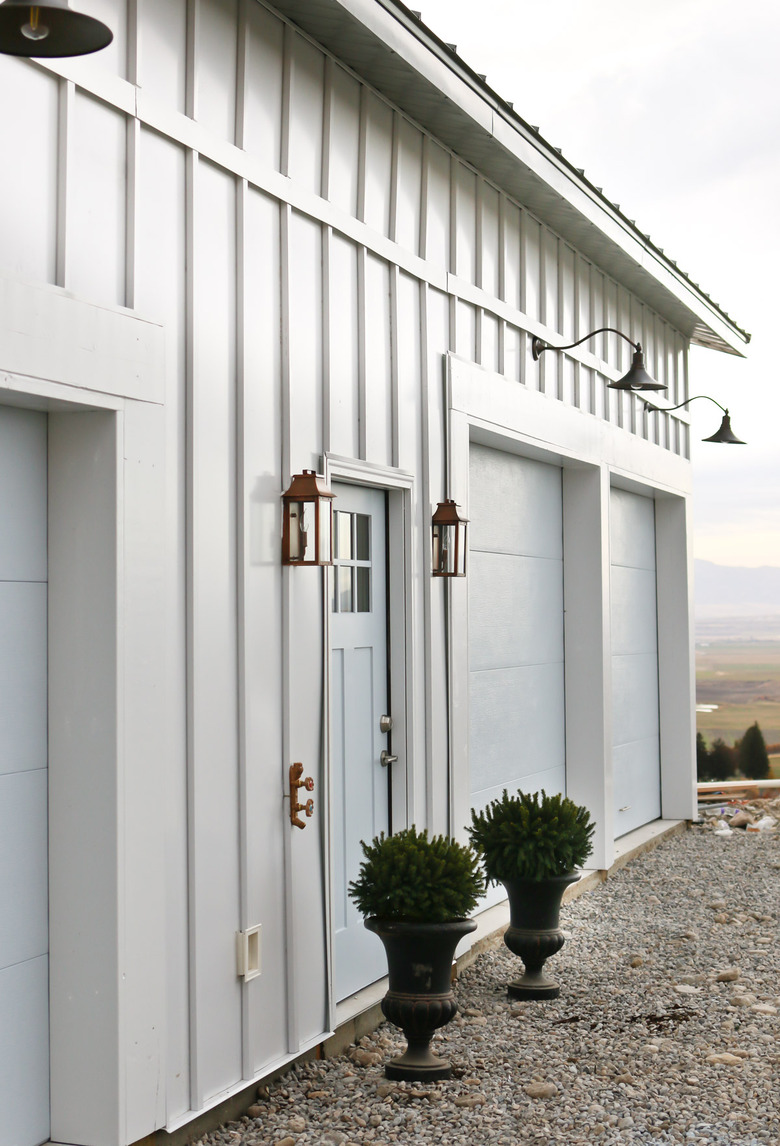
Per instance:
(363,573)
(362,536)
(344,536)
(345,588)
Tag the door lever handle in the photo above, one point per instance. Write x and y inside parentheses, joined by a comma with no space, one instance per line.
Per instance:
(386,758)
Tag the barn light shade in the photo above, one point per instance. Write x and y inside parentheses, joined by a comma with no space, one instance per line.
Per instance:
(307,521)
(449,540)
(724,432)
(49,30)
(635,380)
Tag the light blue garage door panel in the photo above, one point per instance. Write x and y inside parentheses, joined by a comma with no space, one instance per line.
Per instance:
(516,684)
(636,754)
(24,962)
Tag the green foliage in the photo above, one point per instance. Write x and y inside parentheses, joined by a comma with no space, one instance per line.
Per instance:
(717,763)
(523,837)
(753,756)
(410,877)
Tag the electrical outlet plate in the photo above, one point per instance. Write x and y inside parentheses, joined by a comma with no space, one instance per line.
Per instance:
(248,952)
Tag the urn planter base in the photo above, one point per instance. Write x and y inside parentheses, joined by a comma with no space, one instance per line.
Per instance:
(420,999)
(533,933)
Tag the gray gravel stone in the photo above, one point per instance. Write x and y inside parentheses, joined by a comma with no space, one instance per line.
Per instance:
(624,1056)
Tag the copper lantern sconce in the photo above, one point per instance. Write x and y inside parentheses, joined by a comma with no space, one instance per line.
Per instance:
(49,30)
(449,540)
(307,521)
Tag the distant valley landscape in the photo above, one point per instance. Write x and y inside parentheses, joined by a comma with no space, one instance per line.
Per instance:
(737,651)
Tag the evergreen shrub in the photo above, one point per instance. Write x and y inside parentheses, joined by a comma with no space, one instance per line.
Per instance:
(525,837)
(409,877)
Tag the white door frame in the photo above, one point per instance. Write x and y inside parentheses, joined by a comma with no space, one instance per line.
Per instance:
(107,910)
(400,487)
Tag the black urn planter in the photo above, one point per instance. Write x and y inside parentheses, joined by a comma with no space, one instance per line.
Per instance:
(420,999)
(533,932)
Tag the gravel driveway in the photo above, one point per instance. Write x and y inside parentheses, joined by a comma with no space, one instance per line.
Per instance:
(667,1027)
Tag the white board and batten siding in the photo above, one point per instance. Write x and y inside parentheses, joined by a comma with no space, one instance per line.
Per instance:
(311,256)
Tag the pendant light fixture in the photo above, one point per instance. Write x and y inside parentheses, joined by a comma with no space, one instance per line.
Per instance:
(636,379)
(724,432)
(49,30)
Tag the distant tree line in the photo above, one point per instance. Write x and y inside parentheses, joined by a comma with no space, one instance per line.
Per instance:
(748,757)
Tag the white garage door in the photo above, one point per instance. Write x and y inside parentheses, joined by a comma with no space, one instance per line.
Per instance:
(635,753)
(516,693)
(24,940)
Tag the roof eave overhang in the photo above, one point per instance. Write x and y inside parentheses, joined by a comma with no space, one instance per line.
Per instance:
(386,44)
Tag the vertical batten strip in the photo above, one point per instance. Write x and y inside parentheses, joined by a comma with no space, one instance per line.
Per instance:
(422,238)
(286,659)
(394,176)
(242,551)
(522,279)
(242,49)
(361,363)
(395,428)
(453,252)
(327,118)
(362,149)
(414,812)
(502,280)
(191,172)
(284,142)
(67,95)
(327,360)
(133,136)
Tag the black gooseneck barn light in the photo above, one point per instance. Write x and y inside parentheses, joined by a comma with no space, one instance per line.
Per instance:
(637,377)
(49,30)
(724,433)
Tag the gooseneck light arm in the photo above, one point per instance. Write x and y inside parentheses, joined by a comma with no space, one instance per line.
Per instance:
(724,433)
(538,347)
(668,409)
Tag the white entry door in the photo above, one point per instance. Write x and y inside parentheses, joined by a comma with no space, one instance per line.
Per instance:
(24,908)
(636,758)
(359,696)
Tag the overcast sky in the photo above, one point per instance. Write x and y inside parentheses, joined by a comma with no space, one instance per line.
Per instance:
(673,107)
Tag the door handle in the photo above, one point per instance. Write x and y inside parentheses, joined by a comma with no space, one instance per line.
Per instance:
(386,758)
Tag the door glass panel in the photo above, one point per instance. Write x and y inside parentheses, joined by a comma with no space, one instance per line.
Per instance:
(345,588)
(363,573)
(362,535)
(344,536)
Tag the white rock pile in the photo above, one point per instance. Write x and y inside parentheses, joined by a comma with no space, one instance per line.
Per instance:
(667,1028)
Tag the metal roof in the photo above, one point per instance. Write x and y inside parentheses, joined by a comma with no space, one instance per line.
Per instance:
(388,45)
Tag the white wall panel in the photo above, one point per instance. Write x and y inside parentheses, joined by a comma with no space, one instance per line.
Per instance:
(214,864)
(632,530)
(466,331)
(160,293)
(23,482)
(378,382)
(306,110)
(344,366)
(378,162)
(490,239)
(634,614)
(162,51)
(409,185)
(215,67)
(344,155)
(114,14)
(513,266)
(465,265)
(305,342)
(262,576)
(95,259)
(437,206)
(489,342)
(409,375)
(505,617)
(263,85)
(24,1075)
(24,854)
(567,293)
(531,266)
(515,507)
(28,198)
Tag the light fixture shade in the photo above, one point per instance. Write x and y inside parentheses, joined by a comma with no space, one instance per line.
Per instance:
(449,540)
(637,377)
(725,434)
(307,521)
(49,30)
